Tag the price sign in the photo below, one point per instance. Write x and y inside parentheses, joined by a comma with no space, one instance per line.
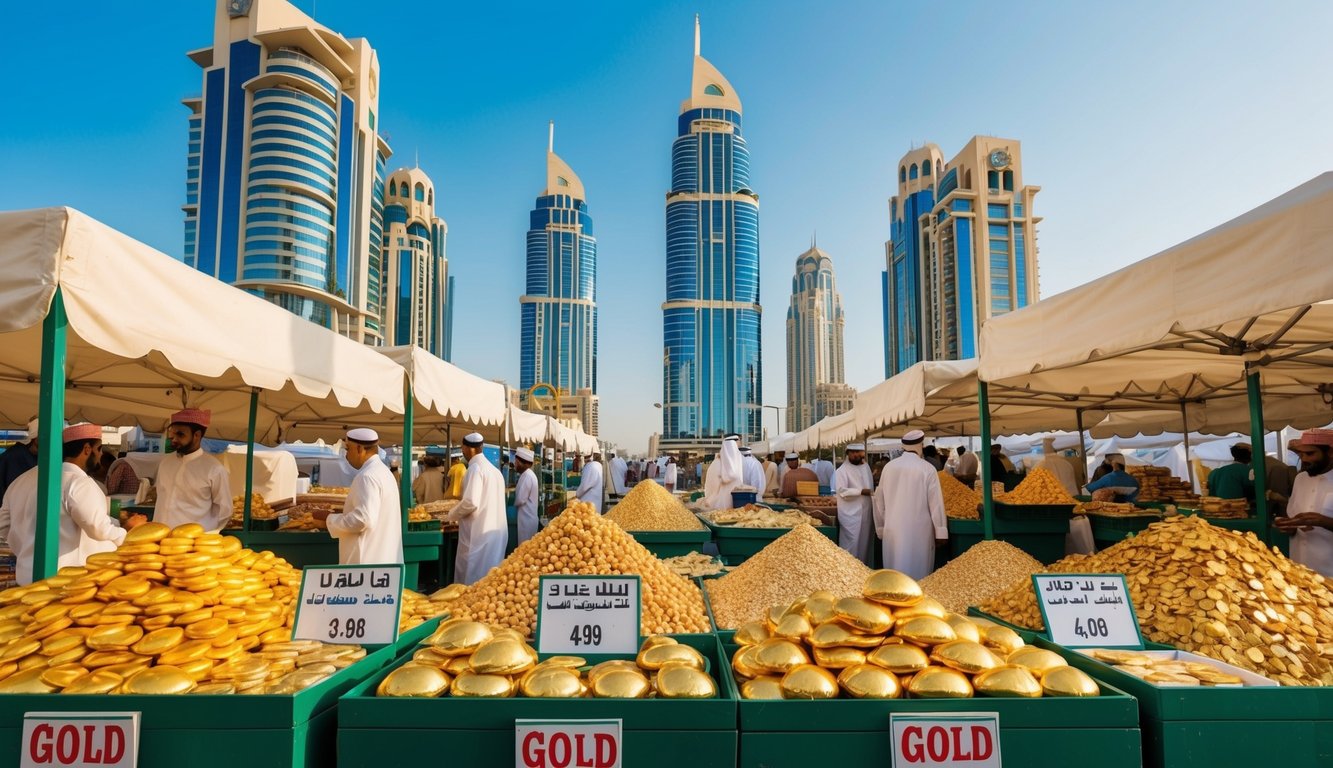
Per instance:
(567,743)
(588,615)
(1088,610)
(349,604)
(933,740)
(78,739)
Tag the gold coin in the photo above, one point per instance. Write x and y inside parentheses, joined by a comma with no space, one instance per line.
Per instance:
(67,657)
(107,658)
(19,648)
(62,675)
(114,637)
(41,632)
(127,587)
(146,533)
(199,669)
(188,651)
(159,641)
(97,682)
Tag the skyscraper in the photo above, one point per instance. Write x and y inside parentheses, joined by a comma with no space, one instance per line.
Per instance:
(963,250)
(814,342)
(711,370)
(415,270)
(558,345)
(285,171)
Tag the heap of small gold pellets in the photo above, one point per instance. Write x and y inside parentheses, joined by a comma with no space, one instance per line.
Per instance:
(416,608)
(960,502)
(472,659)
(649,507)
(793,565)
(580,541)
(1212,591)
(979,574)
(172,610)
(1040,487)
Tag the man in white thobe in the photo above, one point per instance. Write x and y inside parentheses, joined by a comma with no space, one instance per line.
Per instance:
(725,474)
(854,486)
(618,468)
(590,483)
(671,474)
(770,478)
(752,471)
(1079,539)
(483,528)
(1309,517)
(192,487)
(369,529)
(824,470)
(85,527)
(909,513)
(525,495)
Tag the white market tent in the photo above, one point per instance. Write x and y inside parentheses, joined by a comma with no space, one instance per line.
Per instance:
(171,348)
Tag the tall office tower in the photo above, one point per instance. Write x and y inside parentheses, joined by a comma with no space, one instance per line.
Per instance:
(711,343)
(285,171)
(964,249)
(415,269)
(558,333)
(814,341)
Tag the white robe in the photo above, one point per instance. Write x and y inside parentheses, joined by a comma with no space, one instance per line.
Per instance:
(671,474)
(1313,548)
(590,485)
(1079,540)
(724,475)
(910,515)
(771,485)
(824,471)
(369,530)
(85,525)
(752,474)
(856,523)
(483,529)
(618,470)
(525,505)
(194,488)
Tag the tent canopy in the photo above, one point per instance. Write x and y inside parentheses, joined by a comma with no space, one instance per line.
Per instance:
(148,335)
(1193,320)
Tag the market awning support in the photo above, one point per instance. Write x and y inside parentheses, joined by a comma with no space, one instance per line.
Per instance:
(250,458)
(1185,432)
(405,462)
(987,494)
(50,419)
(1257,456)
(1082,449)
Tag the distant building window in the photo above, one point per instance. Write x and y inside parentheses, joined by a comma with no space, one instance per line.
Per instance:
(430,197)
(712,90)
(1009,180)
(393,188)
(902,173)
(992,180)
(925,168)
(912,171)
(562,181)
(420,193)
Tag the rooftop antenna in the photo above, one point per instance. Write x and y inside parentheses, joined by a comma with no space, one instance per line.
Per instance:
(550,136)
(416,158)
(696,34)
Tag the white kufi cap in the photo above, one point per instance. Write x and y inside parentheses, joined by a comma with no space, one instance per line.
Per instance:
(524,454)
(363,435)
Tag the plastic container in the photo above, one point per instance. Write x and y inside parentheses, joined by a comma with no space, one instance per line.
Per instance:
(741,498)
(480,732)
(1185,727)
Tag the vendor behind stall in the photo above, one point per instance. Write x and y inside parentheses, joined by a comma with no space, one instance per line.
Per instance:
(18,458)
(192,486)
(430,483)
(369,529)
(457,468)
(1121,485)
(1233,480)
(85,526)
(1309,517)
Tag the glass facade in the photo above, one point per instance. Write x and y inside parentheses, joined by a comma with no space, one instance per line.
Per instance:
(907,343)
(814,339)
(412,274)
(558,311)
(711,343)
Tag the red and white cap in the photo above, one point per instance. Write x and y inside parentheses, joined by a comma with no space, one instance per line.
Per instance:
(1317,437)
(83,431)
(194,416)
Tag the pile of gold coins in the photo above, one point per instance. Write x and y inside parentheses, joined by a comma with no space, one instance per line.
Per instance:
(416,608)
(173,610)
(794,564)
(470,659)
(1114,509)
(960,502)
(891,642)
(759,516)
(649,507)
(695,564)
(1039,488)
(1214,592)
(1165,671)
(259,510)
(580,541)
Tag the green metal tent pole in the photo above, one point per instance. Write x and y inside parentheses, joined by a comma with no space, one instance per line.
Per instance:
(1257,456)
(250,458)
(405,464)
(50,419)
(1082,449)
(1185,433)
(987,494)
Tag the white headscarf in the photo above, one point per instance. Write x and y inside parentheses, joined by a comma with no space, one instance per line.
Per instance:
(729,465)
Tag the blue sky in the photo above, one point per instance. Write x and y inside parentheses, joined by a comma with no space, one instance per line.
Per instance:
(1143,122)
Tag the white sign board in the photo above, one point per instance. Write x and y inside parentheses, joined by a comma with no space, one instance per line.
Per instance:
(1087,610)
(934,740)
(79,739)
(588,615)
(349,604)
(567,744)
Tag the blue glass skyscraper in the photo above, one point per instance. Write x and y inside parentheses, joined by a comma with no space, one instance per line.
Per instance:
(711,373)
(559,308)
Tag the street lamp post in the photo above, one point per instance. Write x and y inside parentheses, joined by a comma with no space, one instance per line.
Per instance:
(776,428)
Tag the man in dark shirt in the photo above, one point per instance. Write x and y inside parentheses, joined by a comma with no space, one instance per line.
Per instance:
(18,458)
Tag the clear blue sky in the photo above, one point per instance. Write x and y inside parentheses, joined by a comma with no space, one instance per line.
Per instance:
(1143,122)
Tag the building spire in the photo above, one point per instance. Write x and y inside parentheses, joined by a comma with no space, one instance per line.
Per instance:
(696,35)
(416,158)
(550,136)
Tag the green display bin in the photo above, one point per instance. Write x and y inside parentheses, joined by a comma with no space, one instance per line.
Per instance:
(1043,539)
(1111,530)
(297,731)
(736,545)
(302,548)
(672,543)
(480,732)
(963,534)
(1100,732)
(1204,726)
